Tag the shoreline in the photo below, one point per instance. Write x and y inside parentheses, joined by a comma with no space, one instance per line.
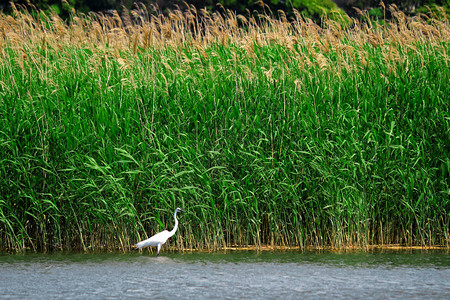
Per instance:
(262,248)
(265,248)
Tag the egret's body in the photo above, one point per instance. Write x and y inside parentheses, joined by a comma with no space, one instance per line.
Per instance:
(160,238)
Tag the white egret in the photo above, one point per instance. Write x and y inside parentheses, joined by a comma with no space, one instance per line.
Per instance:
(160,239)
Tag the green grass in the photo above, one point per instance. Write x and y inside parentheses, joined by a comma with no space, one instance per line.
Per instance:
(323,140)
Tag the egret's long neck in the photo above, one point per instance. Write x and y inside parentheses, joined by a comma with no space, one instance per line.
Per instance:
(176,224)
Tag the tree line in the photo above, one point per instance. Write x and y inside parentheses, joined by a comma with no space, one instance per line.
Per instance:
(310,8)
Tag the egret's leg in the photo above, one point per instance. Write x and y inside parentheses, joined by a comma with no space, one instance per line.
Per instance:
(159,248)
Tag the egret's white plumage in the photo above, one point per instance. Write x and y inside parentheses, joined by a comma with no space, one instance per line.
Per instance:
(160,238)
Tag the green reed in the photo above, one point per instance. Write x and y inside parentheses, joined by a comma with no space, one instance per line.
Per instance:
(303,143)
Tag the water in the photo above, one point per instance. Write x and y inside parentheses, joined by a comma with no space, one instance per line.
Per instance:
(233,275)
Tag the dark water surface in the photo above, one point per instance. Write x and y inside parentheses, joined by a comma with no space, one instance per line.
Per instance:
(232,275)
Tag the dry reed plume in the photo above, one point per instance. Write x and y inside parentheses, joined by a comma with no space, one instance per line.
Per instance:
(333,45)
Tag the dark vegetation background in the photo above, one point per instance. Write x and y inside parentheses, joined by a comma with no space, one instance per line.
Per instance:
(311,8)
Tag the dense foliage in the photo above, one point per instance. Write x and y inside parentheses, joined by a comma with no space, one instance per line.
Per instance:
(312,8)
(272,133)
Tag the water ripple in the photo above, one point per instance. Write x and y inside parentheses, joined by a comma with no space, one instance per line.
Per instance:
(227,276)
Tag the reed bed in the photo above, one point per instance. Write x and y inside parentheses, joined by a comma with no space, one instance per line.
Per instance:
(266,130)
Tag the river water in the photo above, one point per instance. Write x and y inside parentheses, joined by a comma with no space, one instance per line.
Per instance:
(232,275)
